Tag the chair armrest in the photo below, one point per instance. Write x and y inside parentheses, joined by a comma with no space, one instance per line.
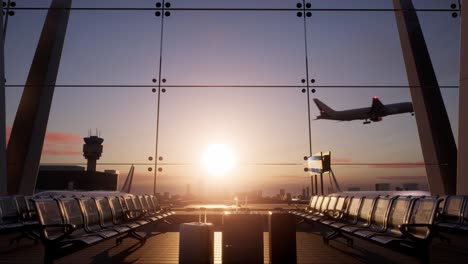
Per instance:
(404,230)
(128,213)
(69,229)
(25,214)
(335,214)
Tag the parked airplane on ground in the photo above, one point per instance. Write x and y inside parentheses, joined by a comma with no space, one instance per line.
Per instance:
(368,114)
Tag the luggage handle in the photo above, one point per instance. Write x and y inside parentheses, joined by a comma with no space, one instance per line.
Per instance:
(199,215)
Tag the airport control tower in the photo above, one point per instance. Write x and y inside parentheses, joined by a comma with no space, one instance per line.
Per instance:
(92,150)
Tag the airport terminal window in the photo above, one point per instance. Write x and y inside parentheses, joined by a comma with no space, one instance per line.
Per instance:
(168,79)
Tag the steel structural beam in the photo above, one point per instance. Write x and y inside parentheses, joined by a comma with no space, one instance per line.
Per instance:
(462,173)
(29,128)
(435,134)
(3,177)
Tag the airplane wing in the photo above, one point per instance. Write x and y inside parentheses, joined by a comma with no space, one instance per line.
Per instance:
(377,107)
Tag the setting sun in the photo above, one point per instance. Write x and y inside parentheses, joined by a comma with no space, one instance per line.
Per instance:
(218,159)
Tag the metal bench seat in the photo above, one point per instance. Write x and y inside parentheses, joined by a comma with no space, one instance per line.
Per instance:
(119,215)
(320,206)
(328,204)
(134,213)
(56,231)
(350,215)
(74,214)
(363,219)
(92,219)
(16,216)
(454,215)
(10,219)
(337,212)
(150,212)
(378,217)
(107,218)
(140,204)
(417,231)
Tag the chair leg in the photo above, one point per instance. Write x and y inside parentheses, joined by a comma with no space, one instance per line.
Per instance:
(444,239)
(131,234)
(425,258)
(337,234)
(27,235)
(48,255)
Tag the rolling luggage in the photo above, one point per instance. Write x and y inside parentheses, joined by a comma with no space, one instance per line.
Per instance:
(196,243)
(282,230)
(242,240)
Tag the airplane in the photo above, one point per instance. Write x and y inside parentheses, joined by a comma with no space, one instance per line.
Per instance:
(375,113)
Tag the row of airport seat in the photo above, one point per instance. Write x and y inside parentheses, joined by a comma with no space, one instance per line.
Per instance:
(403,223)
(67,224)
(17,214)
(71,224)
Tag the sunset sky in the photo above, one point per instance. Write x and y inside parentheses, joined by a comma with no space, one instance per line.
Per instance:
(233,48)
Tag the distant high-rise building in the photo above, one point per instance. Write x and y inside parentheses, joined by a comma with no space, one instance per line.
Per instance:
(303,193)
(282,192)
(308,192)
(410,186)
(187,192)
(382,186)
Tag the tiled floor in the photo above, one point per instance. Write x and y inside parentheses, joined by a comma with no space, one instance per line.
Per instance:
(164,248)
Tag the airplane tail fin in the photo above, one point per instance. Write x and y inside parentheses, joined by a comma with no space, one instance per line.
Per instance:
(324,109)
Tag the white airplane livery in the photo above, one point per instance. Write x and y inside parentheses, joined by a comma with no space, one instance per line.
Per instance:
(375,113)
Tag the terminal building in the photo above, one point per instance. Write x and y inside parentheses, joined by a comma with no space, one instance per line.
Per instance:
(78,177)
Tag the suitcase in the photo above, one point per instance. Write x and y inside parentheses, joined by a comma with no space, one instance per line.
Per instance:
(242,240)
(196,243)
(282,230)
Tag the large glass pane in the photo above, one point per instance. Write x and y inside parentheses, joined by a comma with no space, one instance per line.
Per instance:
(442,34)
(111,48)
(377,4)
(90,3)
(114,4)
(262,125)
(254,180)
(124,117)
(22,36)
(226,48)
(143,177)
(288,4)
(394,139)
(354,49)
(379,177)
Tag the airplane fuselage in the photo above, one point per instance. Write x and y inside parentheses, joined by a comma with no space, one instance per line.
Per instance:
(366,113)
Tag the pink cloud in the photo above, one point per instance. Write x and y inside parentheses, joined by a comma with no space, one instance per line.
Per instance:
(62,144)
(58,143)
(55,152)
(63,138)
(398,165)
(401,177)
(342,160)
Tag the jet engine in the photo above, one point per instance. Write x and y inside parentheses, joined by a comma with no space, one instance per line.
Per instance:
(376,119)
